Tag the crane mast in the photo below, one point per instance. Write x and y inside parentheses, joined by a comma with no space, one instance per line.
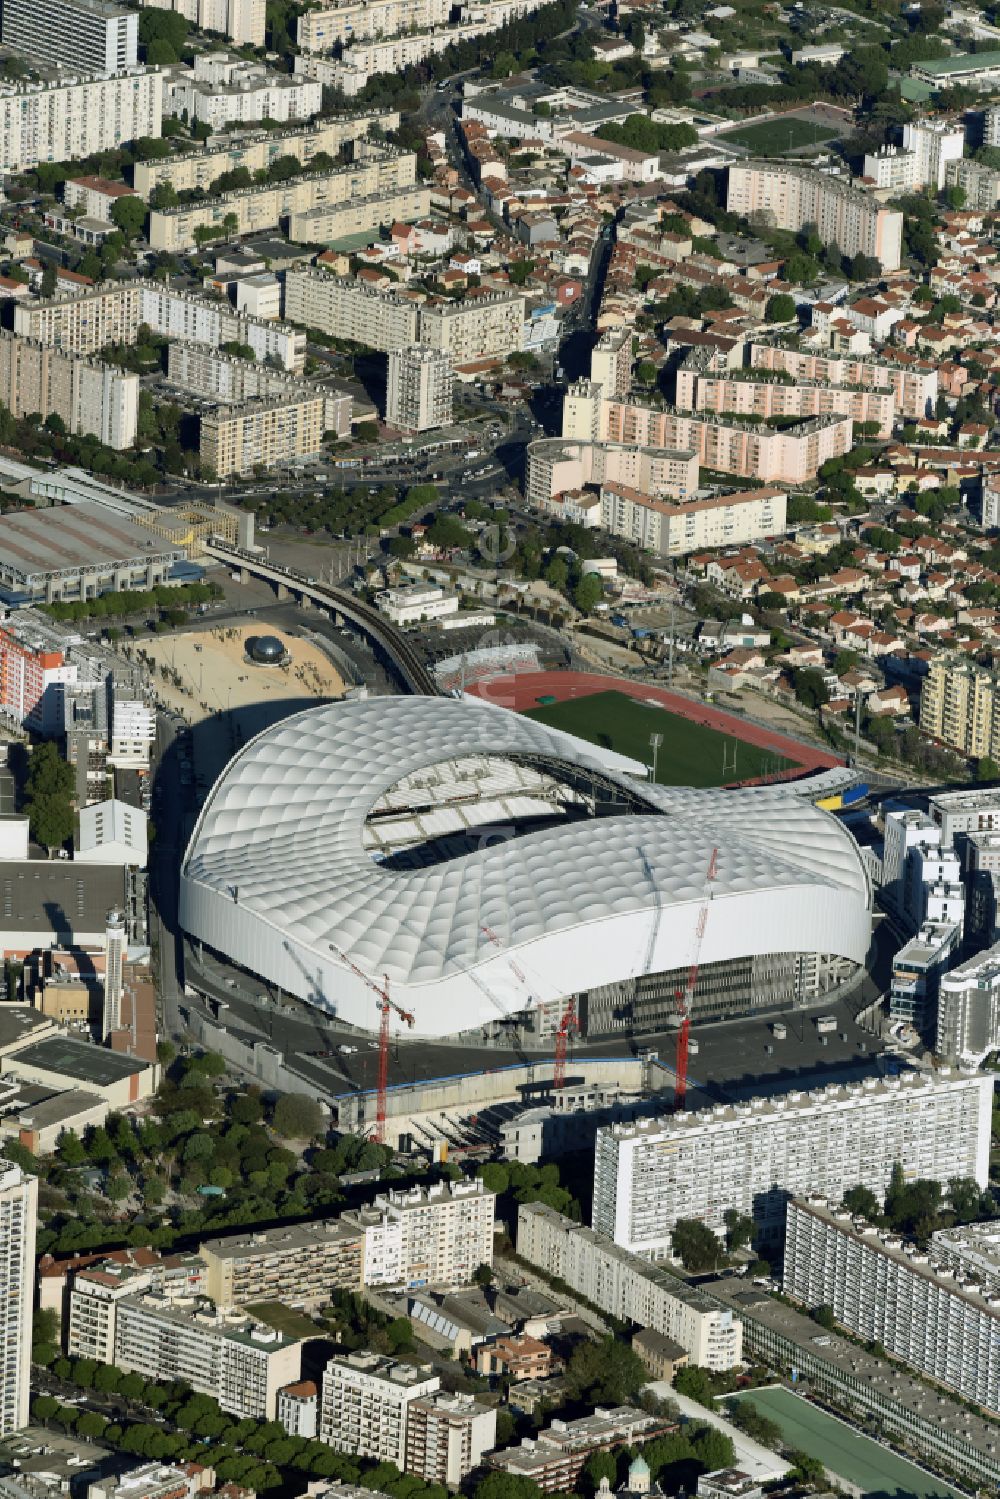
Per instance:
(385,1005)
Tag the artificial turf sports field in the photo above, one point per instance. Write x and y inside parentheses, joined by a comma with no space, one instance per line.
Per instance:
(691,754)
(844,1452)
(775,137)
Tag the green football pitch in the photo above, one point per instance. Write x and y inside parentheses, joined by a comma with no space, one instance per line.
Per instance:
(844,1452)
(775,137)
(690,755)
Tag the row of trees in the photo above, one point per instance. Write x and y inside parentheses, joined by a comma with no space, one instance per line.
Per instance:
(134,601)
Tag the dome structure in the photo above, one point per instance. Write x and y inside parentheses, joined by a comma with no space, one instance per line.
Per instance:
(487,865)
(266,650)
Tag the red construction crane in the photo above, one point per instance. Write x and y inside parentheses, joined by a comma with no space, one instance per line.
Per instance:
(685,997)
(385,1005)
(567,1024)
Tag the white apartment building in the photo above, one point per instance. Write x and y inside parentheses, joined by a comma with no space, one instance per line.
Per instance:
(934,144)
(420,388)
(256,152)
(323,29)
(629,1287)
(298,1409)
(364,1404)
(884,1290)
(968,1010)
(675,530)
(971,1249)
(241,1363)
(82,34)
(446,1437)
(412,602)
(751,1156)
(149,1481)
(239,21)
(223,90)
(201,370)
(66,119)
(791,196)
(485,326)
(114,311)
(350,310)
(918,966)
(94,1299)
(90,397)
(18,1222)
(891,169)
(611,362)
(133,729)
(434,1236)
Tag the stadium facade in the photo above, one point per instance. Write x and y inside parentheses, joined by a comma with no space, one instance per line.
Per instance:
(489,867)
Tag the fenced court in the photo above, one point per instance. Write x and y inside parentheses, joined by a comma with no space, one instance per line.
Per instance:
(879,1473)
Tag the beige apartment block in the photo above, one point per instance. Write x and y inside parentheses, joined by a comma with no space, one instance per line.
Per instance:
(67,119)
(204,371)
(787,196)
(914,385)
(775,457)
(420,389)
(327,27)
(557,465)
(960,705)
(349,310)
(485,325)
(115,310)
(199,169)
(693,525)
(91,398)
(446,1436)
(236,439)
(240,21)
(380,184)
(299,1264)
(332,221)
(611,362)
(763,398)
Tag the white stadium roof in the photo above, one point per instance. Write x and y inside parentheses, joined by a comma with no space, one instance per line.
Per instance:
(484,883)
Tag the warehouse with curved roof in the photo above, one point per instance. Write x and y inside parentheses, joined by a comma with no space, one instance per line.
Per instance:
(489,867)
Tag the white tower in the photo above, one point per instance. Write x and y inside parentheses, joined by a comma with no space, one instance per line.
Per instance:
(18,1219)
(115,942)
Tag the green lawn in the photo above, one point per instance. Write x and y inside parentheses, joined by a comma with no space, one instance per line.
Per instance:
(690,755)
(844,1452)
(284,1319)
(775,137)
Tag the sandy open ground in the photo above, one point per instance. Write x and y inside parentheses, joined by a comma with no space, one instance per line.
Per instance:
(204,672)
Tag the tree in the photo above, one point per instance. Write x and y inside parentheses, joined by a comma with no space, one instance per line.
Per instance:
(600,1465)
(160,53)
(780,309)
(987,769)
(246,1108)
(695,1245)
(298,1117)
(588,592)
(164,195)
(749,1419)
(44,1336)
(862,1201)
(605,1373)
(739,1229)
(483,1276)
(696,1383)
(129,214)
(48,284)
(810,689)
(557,573)
(824,1315)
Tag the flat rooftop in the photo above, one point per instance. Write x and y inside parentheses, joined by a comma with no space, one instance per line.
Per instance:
(58,896)
(79,1060)
(38,543)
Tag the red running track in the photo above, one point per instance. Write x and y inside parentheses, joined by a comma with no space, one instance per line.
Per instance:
(521,690)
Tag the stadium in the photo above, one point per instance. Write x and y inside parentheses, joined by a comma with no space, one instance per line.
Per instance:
(488,867)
